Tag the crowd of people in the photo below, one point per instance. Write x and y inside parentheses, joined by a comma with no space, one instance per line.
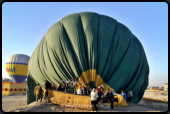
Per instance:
(38,90)
(98,96)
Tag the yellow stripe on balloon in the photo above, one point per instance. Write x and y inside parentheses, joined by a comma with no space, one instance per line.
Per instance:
(16,69)
(91,75)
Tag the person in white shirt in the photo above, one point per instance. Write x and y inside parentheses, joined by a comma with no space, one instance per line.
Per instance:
(79,91)
(93,96)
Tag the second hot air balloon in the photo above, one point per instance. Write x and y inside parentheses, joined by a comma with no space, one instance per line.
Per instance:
(17,67)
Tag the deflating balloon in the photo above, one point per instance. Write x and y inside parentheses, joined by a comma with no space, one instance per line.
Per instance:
(17,66)
(96,48)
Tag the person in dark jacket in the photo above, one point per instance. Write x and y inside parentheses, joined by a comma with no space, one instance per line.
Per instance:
(111,99)
(53,87)
(59,88)
(85,90)
(47,86)
(101,96)
(89,90)
(130,94)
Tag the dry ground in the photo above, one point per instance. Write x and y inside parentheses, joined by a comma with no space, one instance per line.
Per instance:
(17,103)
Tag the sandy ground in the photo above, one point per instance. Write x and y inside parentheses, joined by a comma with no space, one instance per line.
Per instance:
(12,102)
(17,103)
(162,95)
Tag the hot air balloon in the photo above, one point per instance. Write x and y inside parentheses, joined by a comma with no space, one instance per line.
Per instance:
(17,66)
(93,47)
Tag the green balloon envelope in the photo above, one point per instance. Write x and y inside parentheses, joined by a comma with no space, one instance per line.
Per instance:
(96,48)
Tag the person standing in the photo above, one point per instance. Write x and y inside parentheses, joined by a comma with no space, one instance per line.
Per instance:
(123,94)
(130,94)
(102,87)
(53,87)
(98,99)
(93,97)
(47,86)
(107,95)
(59,88)
(99,89)
(111,99)
(63,87)
(85,90)
(90,89)
(66,88)
(38,92)
(101,99)
(79,91)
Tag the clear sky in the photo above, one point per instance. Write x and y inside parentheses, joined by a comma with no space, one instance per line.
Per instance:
(25,23)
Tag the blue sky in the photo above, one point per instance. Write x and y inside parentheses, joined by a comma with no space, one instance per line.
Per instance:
(25,23)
